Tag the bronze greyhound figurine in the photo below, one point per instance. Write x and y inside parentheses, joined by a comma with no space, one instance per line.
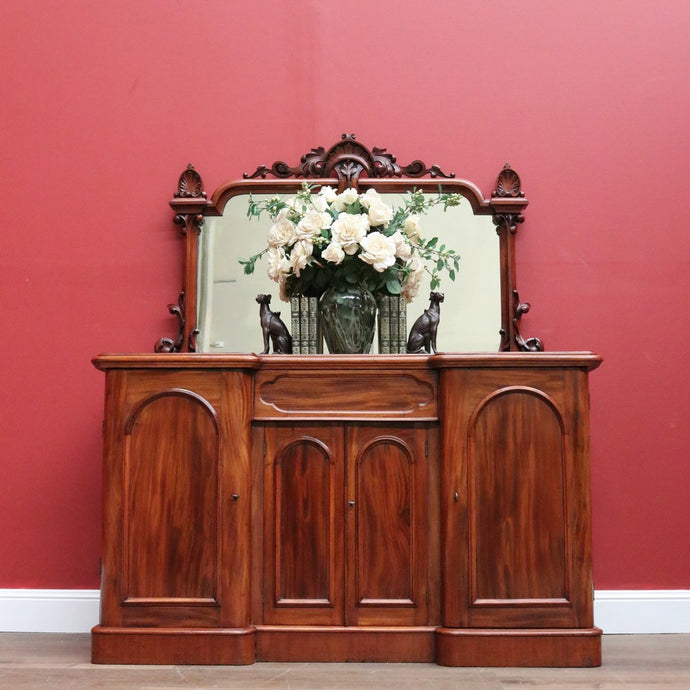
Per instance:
(273,328)
(423,334)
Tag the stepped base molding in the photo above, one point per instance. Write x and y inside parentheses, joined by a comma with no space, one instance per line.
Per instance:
(616,612)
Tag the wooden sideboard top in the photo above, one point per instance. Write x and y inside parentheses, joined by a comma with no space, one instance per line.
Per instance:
(583,360)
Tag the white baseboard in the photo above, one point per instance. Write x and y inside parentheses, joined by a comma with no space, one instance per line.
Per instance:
(49,610)
(616,612)
(623,612)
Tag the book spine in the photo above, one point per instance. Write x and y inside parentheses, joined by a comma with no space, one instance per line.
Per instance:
(294,314)
(402,325)
(384,313)
(393,325)
(304,324)
(313,318)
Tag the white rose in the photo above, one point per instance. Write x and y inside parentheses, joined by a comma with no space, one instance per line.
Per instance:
(402,248)
(379,251)
(349,196)
(412,228)
(349,230)
(328,194)
(278,264)
(282,233)
(333,253)
(300,255)
(380,213)
(319,203)
(311,225)
(414,279)
(371,196)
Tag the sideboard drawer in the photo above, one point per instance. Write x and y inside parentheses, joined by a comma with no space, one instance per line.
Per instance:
(285,394)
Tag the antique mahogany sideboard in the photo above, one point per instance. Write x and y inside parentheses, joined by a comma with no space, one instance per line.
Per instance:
(419,508)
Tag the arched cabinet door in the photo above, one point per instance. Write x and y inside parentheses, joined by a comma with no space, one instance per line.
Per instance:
(387,545)
(345,528)
(516,496)
(303,514)
(176,508)
(171,490)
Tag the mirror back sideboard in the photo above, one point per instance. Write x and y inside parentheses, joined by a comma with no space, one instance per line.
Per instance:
(383,507)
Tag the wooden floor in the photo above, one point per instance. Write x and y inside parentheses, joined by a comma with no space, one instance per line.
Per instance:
(39,661)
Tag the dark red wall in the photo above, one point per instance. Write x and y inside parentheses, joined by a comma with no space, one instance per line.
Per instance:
(103,104)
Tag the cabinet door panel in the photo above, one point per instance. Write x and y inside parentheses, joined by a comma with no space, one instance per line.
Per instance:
(517,485)
(387,547)
(516,496)
(171,508)
(303,529)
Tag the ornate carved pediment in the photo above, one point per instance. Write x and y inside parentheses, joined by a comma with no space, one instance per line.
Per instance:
(348,160)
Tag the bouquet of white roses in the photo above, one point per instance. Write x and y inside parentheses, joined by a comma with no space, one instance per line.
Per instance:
(322,239)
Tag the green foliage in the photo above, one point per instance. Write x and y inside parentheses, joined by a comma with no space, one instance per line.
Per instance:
(320,272)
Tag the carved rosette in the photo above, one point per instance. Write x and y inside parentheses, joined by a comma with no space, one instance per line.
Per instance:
(348,160)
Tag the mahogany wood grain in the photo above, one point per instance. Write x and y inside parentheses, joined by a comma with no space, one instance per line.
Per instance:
(333,643)
(387,547)
(518,529)
(171,502)
(500,647)
(335,390)
(303,536)
(160,645)
(518,549)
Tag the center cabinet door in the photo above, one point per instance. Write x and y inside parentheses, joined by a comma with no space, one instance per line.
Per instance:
(303,516)
(345,532)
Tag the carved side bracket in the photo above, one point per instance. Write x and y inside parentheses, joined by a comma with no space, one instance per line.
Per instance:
(189,202)
(348,160)
(168,344)
(529,344)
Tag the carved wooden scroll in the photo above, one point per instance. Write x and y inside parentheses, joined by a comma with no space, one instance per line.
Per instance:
(348,160)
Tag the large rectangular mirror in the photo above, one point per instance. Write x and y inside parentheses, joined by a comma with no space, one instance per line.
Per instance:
(228,315)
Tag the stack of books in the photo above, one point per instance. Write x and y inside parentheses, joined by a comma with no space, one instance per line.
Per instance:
(392,317)
(305,330)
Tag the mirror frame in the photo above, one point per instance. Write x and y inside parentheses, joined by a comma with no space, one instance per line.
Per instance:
(349,164)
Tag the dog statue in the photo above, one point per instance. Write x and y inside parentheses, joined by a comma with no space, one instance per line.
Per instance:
(273,328)
(423,334)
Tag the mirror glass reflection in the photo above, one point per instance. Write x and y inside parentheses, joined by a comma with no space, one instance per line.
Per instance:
(228,318)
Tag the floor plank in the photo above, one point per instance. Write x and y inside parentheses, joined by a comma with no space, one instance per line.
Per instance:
(38,661)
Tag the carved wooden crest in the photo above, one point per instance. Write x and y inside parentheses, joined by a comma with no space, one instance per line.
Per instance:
(348,160)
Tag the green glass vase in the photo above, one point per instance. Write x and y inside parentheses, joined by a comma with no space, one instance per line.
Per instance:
(348,319)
